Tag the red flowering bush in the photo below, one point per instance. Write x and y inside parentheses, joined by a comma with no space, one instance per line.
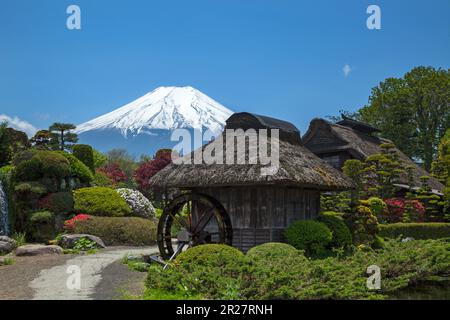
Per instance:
(401,210)
(113,172)
(148,169)
(69,225)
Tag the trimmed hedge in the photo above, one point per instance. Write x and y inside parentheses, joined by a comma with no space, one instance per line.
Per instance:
(100,201)
(85,154)
(209,255)
(309,235)
(427,230)
(119,231)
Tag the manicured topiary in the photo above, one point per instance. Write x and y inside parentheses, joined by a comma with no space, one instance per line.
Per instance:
(272,250)
(85,154)
(118,231)
(101,179)
(342,237)
(77,168)
(427,230)
(32,166)
(311,236)
(138,203)
(209,255)
(100,201)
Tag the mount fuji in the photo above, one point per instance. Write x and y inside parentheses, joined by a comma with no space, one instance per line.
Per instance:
(146,124)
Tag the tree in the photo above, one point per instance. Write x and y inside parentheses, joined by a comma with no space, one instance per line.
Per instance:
(99,159)
(123,160)
(412,111)
(62,135)
(85,154)
(113,172)
(148,169)
(440,168)
(43,139)
(12,142)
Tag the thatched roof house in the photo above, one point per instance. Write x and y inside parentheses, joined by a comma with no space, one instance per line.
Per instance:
(298,167)
(350,139)
(261,201)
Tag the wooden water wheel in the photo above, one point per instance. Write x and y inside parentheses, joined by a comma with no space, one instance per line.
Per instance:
(192,219)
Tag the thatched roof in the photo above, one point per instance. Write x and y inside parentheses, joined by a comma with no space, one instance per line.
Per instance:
(359,144)
(298,167)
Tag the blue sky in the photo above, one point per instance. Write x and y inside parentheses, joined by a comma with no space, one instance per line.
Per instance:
(279,58)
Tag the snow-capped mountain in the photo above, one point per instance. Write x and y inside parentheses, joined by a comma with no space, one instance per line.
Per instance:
(144,125)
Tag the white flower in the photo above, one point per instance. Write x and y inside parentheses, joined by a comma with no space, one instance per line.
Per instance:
(139,204)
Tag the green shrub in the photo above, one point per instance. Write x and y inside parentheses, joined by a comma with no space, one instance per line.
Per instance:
(342,237)
(102,180)
(59,202)
(30,188)
(85,244)
(271,250)
(362,224)
(42,217)
(41,226)
(77,168)
(427,230)
(377,206)
(119,231)
(209,255)
(100,201)
(85,154)
(308,235)
(32,166)
(211,271)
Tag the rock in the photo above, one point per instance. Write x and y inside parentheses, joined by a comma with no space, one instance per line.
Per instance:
(408,239)
(7,244)
(68,240)
(37,250)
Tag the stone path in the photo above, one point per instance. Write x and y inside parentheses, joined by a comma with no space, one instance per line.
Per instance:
(102,276)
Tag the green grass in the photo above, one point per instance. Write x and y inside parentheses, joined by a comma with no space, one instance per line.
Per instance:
(20,238)
(7,262)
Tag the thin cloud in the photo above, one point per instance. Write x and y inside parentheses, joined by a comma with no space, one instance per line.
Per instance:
(346,69)
(19,124)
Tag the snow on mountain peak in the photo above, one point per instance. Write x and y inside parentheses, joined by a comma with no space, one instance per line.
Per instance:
(164,108)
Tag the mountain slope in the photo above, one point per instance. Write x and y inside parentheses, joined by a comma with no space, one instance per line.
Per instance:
(145,125)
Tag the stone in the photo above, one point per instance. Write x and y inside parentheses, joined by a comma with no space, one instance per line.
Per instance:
(408,239)
(37,250)
(7,244)
(68,240)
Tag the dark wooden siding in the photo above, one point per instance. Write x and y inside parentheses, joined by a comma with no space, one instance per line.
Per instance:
(261,214)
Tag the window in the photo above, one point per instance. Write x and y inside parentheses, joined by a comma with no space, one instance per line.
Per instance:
(334,161)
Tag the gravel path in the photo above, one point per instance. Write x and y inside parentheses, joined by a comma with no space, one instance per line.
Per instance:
(45,277)
(51,283)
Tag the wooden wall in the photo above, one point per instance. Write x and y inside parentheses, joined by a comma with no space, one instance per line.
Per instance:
(260,214)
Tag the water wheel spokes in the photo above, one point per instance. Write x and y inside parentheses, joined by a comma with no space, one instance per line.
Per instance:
(192,219)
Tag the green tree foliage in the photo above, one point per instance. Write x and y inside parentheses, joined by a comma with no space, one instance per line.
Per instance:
(412,111)
(11,142)
(99,159)
(85,154)
(62,135)
(43,139)
(382,171)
